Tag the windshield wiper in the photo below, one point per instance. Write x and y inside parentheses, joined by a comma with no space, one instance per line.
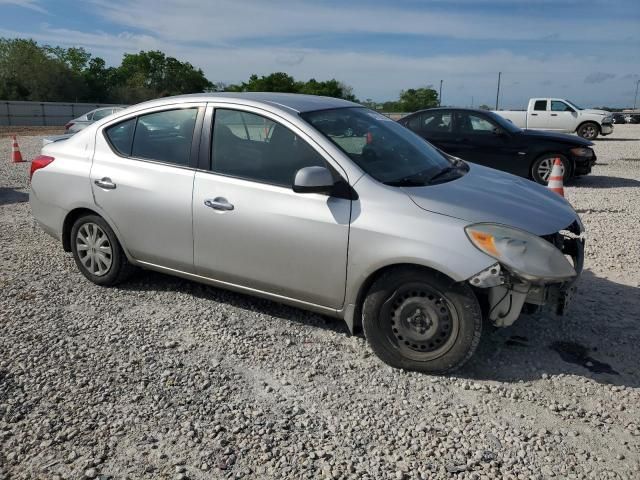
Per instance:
(444,171)
(413,180)
(405,182)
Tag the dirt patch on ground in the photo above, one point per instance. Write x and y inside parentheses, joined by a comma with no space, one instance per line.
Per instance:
(8,130)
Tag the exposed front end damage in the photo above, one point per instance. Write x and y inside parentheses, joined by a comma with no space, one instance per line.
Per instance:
(507,293)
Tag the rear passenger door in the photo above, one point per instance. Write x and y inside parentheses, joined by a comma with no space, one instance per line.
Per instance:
(251,229)
(142,179)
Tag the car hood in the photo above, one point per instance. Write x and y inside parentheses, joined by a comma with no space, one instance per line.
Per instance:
(595,111)
(488,195)
(558,137)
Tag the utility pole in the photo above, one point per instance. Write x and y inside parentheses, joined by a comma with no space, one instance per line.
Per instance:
(471,101)
(440,95)
(635,99)
(498,92)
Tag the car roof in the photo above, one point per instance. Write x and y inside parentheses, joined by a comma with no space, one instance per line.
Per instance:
(293,102)
(456,109)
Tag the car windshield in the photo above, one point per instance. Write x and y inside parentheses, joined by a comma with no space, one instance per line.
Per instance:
(574,105)
(384,149)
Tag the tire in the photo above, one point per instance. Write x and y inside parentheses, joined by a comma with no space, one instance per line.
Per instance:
(420,320)
(541,168)
(91,236)
(589,130)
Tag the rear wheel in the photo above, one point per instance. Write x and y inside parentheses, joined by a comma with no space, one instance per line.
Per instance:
(541,168)
(589,130)
(420,320)
(97,252)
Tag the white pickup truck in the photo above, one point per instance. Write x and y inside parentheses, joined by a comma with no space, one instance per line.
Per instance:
(561,115)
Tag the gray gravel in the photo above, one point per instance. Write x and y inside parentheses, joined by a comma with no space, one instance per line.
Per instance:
(166,378)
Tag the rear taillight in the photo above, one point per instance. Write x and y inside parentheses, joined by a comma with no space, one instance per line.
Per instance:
(369,138)
(39,162)
(68,125)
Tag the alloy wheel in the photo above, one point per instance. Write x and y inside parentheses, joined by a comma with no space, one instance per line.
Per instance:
(589,132)
(545,167)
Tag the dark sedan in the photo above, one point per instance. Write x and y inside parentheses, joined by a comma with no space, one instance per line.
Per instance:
(488,139)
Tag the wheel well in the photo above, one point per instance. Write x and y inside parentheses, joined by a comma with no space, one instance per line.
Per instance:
(69,220)
(366,286)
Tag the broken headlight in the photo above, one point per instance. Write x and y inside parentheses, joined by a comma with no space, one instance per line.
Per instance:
(524,254)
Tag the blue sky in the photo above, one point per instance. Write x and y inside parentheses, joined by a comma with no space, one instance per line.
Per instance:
(585,50)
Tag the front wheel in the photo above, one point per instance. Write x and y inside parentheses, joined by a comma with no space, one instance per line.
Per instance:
(541,168)
(420,320)
(589,130)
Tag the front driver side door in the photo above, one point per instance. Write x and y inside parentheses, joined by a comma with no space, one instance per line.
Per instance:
(482,141)
(563,117)
(251,229)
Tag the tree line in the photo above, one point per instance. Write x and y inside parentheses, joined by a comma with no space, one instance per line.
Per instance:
(29,71)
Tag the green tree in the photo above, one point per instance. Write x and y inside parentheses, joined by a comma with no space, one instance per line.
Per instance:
(30,72)
(274,82)
(285,83)
(418,98)
(484,107)
(146,75)
(76,58)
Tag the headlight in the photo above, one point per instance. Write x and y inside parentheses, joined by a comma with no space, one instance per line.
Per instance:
(607,119)
(582,152)
(524,254)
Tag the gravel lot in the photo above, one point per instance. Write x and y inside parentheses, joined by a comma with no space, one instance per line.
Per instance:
(164,378)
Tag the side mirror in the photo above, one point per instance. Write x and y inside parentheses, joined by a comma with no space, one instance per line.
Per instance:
(313,180)
(499,132)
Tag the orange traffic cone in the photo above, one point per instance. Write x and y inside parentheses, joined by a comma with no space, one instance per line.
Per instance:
(16,156)
(555,179)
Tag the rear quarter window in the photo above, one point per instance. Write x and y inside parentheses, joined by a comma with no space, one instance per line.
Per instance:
(120,136)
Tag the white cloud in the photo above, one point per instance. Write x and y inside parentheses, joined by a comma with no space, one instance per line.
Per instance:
(230,40)
(228,20)
(28,4)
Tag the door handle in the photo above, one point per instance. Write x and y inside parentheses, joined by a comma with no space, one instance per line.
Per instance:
(219,203)
(534,114)
(106,183)
(554,114)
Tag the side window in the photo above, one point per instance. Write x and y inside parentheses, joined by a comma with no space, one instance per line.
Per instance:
(253,147)
(436,122)
(120,136)
(472,123)
(165,136)
(414,123)
(100,114)
(557,106)
(540,106)
(90,115)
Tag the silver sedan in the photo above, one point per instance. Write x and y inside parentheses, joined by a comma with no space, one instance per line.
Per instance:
(315,202)
(83,121)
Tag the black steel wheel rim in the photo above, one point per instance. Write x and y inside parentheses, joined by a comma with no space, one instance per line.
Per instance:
(420,321)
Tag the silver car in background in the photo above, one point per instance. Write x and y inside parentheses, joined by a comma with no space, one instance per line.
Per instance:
(315,202)
(83,121)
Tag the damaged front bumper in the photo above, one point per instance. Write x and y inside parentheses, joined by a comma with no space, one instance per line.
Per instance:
(508,294)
